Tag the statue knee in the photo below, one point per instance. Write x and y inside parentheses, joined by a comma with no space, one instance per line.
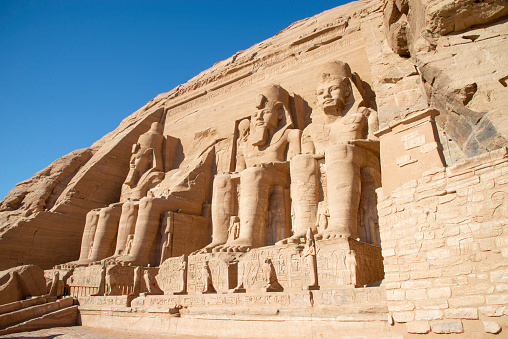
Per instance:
(342,153)
(128,207)
(146,203)
(252,175)
(303,164)
(105,211)
(222,181)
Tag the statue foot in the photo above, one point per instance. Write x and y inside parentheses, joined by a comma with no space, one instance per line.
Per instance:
(237,289)
(128,260)
(331,235)
(234,246)
(77,263)
(295,239)
(208,248)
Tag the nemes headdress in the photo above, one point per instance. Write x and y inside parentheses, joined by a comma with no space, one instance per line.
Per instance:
(333,70)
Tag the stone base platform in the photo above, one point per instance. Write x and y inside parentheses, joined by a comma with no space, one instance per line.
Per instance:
(301,314)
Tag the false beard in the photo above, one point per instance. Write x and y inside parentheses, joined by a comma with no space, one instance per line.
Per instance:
(259,137)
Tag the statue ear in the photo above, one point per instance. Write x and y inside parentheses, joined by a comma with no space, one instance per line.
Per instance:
(347,88)
(281,112)
(149,154)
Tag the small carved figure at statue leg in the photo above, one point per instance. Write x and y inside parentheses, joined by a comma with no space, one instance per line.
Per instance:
(206,278)
(272,284)
(309,253)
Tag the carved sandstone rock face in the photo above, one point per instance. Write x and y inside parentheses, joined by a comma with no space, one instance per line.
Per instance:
(42,220)
(443,38)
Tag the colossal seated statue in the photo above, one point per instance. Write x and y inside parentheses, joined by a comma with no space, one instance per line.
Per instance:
(117,221)
(126,231)
(265,145)
(341,134)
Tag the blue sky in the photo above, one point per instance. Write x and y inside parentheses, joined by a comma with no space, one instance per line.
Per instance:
(70,71)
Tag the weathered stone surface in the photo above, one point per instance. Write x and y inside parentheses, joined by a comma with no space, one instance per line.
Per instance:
(447,327)
(420,327)
(443,38)
(491,327)
(20,282)
(260,189)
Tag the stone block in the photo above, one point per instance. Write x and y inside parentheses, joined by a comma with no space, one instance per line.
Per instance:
(392,285)
(467,301)
(501,288)
(394,295)
(461,313)
(416,284)
(432,304)
(428,314)
(480,288)
(439,292)
(401,307)
(403,317)
(499,276)
(447,327)
(438,254)
(388,252)
(497,299)
(416,294)
(493,311)
(419,327)
(491,327)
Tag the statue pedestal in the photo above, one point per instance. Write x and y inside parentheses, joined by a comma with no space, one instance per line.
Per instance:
(223,270)
(243,272)
(332,266)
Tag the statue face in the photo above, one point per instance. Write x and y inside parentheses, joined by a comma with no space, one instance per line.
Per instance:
(266,118)
(332,94)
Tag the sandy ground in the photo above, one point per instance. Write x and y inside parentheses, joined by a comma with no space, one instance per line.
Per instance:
(83,332)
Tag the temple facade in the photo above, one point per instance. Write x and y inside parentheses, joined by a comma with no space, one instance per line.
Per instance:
(344,177)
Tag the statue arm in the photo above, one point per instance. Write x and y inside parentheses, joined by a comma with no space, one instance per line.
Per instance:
(373,125)
(240,162)
(308,147)
(372,142)
(294,139)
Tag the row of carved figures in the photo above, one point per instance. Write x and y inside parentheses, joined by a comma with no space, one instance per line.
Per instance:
(323,177)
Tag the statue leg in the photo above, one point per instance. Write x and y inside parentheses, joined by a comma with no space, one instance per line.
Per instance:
(255,183)
(344,185)
(304,196)
(148,223)
(107,228)
(126,226)
(223,203)
(88,234)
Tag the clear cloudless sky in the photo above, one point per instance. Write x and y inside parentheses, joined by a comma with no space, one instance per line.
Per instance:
(71,70)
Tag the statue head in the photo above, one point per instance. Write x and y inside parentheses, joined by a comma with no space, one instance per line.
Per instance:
(333,86)
(243,129)
(271,107)
(143,154)
(156,127)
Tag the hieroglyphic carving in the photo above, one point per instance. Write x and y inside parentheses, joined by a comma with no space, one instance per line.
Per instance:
(272,67)
(222,269)
(172,277)
(150,283)
(119,280)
